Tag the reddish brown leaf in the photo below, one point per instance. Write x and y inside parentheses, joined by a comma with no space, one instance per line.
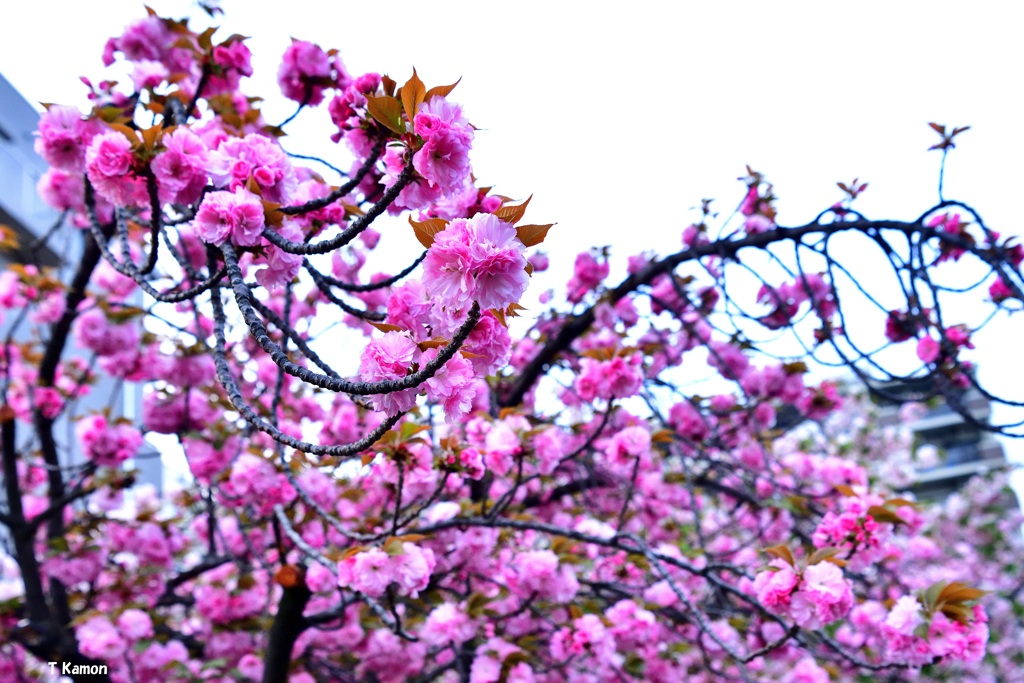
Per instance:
(8,238)
(440,90)
(385,327)
(885,515)
(411,538)
(513,214)
(205,39)
(663,436)
(413,93)
(782,552)
(958,613)
(822,554)
(957,592)
(130,133)
(289,576)
(425,230)
(433,344)
(387,111)
(532,235)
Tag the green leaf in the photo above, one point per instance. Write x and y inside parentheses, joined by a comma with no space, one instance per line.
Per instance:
(475,604)
(215,663)
(931,596)
(635,665)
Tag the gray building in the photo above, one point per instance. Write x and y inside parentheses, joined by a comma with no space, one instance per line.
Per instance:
(30,218)
(965,448)
(20,170)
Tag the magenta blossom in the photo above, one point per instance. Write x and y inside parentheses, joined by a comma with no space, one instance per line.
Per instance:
(303,68)
(479,259)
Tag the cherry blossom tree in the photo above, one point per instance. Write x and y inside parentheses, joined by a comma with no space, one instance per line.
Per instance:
(479,496)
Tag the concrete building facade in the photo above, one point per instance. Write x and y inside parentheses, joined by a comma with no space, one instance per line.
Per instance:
(30,219)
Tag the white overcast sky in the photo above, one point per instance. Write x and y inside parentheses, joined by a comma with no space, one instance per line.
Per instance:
(618,117)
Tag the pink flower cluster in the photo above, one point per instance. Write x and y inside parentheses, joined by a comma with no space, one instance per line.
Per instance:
(453,386)
(390,358)
(447,137)
(304,73)
(929,349)
(588,637)
(233,60)
(345,111)
(107,444)
(64,135)
(490,345)
(815,597)
(478,259)
(857,534)
(226,601)
(176,413)
(104,337)
(145,40)
(1000,291)
(539,573)
(235,216)
(588,273)
(109,164)
(281,266)
(758,210)
(788,297)
(370,572)
(237,160)
(180,169)
(619,377)
(951,224)
(906,634)
(253,478)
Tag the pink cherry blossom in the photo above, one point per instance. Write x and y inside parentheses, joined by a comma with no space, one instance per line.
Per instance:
(303,68)
(479,259)
(237,216)
(927,349)
(180,169)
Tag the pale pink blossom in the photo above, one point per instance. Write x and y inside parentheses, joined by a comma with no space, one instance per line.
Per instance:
(99,638)
(180,169)
(237,216)
(390,358)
